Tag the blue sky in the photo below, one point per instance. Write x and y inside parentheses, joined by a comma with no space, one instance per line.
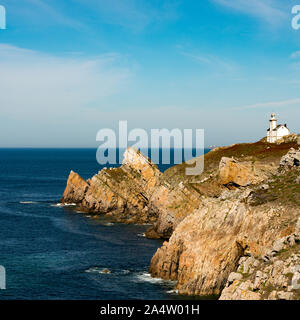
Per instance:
(71,67)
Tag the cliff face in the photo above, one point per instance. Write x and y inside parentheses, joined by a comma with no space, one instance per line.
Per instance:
(138,192)
(207,245)
(178,195)
(171,203)
(274,276)
(122,192)
(247,198)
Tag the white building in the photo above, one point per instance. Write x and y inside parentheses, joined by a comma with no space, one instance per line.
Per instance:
(276,132)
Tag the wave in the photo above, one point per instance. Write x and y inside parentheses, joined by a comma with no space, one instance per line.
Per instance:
(64,205)
(125,271)
(108,224)
(99,270)
(146,277)
(141,235)
(172,291)
(27,202)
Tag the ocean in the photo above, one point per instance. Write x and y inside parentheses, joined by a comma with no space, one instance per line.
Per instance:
(54,252)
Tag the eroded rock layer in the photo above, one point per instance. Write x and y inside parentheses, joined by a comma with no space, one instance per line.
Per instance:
(119,192)
(239,209)
(208,244)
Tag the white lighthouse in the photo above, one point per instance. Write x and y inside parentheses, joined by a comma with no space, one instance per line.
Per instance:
(276,132)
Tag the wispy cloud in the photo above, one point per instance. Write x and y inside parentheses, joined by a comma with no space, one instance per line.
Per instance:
(34,84)
(134,15)
(56,14)
(295,55)
(212,61)
(41,13)
(272,11)
(273,104)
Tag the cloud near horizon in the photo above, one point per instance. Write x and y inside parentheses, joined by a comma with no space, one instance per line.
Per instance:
(32,81)
(45,91)
(53,101)
(273,104)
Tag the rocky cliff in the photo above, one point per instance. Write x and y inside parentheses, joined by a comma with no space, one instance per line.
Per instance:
(207,246)
(247,199)
(178,195)
(122,193)
(276,275)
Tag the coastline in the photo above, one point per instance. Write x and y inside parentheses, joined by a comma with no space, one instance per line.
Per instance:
(228,198)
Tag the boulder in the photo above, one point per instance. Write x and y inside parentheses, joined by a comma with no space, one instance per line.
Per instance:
(291,159)
(240,173)
(233,277)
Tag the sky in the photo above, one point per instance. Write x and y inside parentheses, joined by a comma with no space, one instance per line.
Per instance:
(69,68)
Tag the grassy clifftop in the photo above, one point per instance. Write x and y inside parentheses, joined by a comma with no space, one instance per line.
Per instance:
(258,151)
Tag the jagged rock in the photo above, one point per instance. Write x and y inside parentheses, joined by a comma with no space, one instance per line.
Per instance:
(273,295)
(142,169)
(207,245)
(240,291)
(75,189)
(265,187)
(247,265)
(121,192)
(231,171)
(297,229)
(278,245)
(152,234)
(172,205)
(241,173)
(280,272)
(233,277)
(285,295)
(210,236)
(296,278)
(289,138)
(291,159)
(260,278)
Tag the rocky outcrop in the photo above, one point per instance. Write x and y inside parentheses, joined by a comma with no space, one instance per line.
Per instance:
(178,195)
(241,173)
(291,159)
(122,193)
(172,203)
(207,245)
(289,138)
(75,189)
(273,276)
(239,209)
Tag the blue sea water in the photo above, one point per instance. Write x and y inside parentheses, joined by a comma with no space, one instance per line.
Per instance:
(54,252)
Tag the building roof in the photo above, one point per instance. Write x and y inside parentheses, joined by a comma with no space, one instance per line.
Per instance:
(279,126)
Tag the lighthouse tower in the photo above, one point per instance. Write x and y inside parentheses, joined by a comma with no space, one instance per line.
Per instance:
(273,122)
(276,132)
